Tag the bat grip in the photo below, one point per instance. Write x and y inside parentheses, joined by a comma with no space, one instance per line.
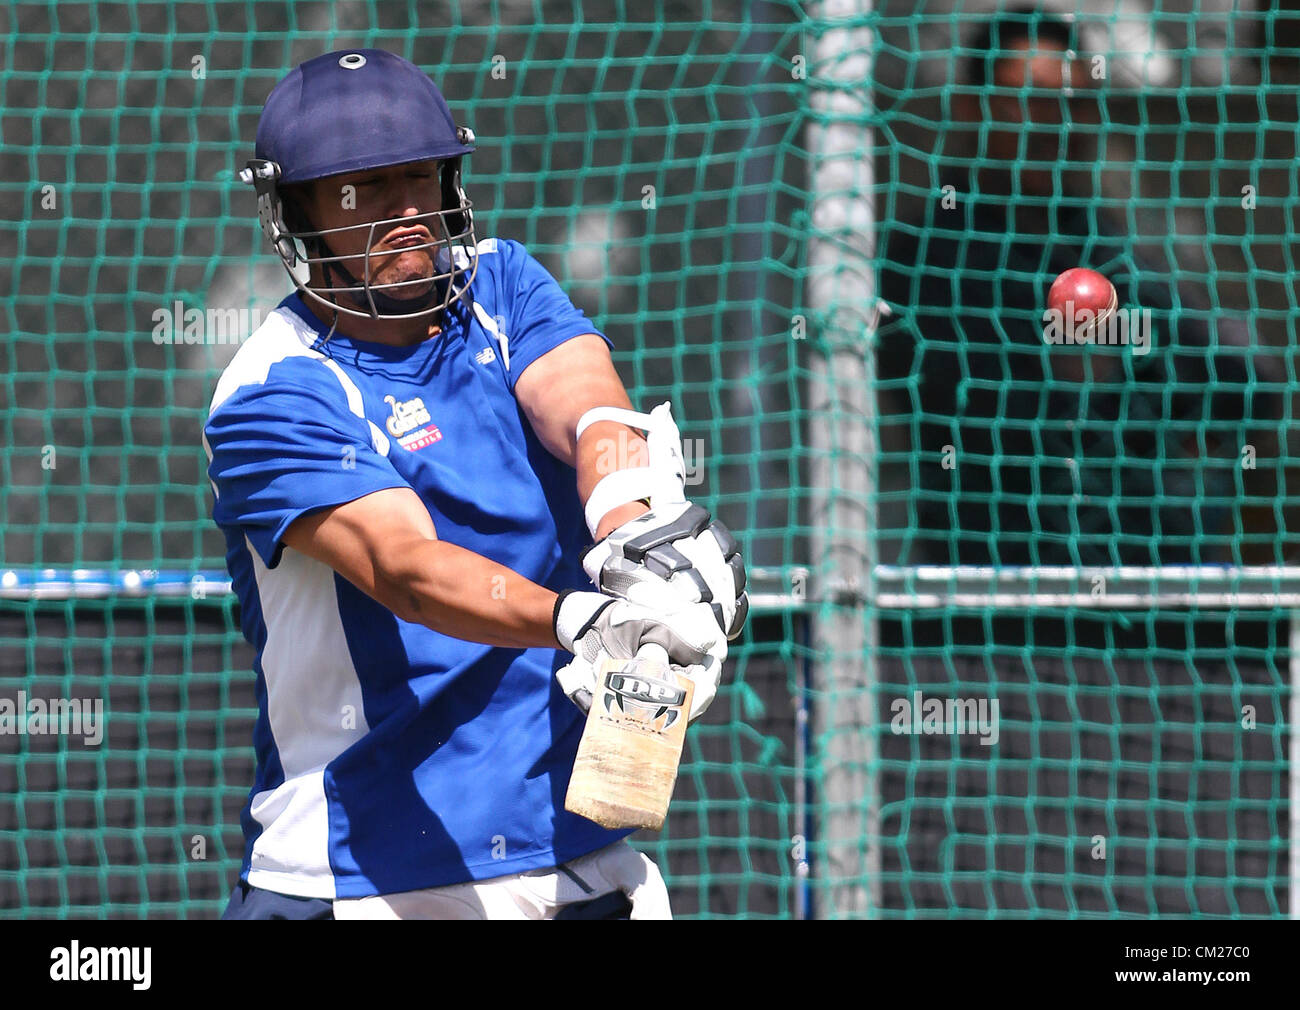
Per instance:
(652,653)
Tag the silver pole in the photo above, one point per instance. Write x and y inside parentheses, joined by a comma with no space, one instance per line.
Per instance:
(841,293)
(1294,744)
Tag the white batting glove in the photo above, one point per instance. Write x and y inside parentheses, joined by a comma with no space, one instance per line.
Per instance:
(596,627)
(677,545)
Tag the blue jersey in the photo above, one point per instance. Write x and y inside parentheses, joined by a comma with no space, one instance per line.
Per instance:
(391,757)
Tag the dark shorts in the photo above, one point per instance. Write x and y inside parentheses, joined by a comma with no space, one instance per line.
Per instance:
(254,903)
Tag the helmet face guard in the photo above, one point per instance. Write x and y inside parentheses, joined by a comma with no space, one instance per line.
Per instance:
(452,249)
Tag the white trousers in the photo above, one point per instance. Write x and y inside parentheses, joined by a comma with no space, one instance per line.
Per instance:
(537,894)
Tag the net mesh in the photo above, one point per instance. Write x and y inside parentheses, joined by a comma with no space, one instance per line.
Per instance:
(1135,771)
(1163,156)
(648,165)
(664,166)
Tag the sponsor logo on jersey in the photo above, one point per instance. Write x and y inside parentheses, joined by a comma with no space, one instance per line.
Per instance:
(411,424)
(486,356)
(407,414)
(419,439)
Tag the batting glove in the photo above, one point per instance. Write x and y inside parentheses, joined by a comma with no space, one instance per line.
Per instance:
(679,546)
(596,627)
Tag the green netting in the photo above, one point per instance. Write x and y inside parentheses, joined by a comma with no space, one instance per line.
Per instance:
(1135,771)
(717,187)
(1164,157)
(652,166)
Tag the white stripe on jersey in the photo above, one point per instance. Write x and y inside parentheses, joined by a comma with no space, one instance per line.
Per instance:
(281,335)
(314,703)
(313,690)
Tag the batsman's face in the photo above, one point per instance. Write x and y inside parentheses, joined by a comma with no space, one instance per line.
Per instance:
(355,200)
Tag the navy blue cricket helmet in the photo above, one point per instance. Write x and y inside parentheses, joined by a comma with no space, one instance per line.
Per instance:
(349,111)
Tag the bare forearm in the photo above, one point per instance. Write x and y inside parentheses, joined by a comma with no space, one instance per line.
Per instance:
(465,595)
(556,390)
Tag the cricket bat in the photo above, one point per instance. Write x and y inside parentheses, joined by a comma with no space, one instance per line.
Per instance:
(626,767)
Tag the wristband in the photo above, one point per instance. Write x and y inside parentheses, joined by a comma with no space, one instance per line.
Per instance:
(615,489)
(660,483)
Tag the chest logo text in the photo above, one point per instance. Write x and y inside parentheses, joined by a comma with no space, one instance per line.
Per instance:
(407,416)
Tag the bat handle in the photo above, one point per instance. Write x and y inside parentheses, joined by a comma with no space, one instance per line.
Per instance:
(652,653)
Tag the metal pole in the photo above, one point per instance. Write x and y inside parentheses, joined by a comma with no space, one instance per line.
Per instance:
(841,293)
(803,817)
(1293,743)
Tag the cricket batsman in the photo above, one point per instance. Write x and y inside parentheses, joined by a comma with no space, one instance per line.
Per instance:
(410,462)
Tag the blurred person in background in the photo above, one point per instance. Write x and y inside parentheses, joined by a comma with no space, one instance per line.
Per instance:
(1060,454)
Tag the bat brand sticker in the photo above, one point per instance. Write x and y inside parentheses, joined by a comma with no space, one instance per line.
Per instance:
(645,694)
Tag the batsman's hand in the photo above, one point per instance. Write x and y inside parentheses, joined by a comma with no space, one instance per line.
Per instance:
(679,546)
(596,627)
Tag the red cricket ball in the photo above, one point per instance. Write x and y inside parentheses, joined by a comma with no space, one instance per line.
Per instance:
(1081,288)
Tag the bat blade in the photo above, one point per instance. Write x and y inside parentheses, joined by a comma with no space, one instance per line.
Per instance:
(626,767)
